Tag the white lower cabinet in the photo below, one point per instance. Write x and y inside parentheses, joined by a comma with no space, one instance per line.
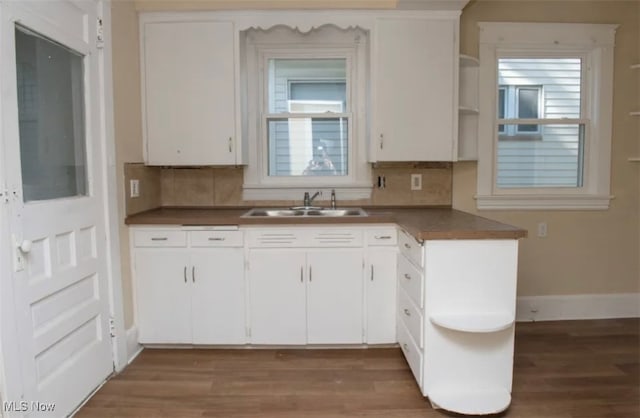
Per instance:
(462,338)
(306,297)
(278,290)
(163,296)
(188,294)
(380,279)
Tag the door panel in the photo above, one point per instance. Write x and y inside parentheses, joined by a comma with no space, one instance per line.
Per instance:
(52,140)
(163,296)
(277,297)
(217,302)
(334,296)
(381,295)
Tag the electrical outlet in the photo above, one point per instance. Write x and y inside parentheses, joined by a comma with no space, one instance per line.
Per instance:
(416,182)
(542,229)
(134,188)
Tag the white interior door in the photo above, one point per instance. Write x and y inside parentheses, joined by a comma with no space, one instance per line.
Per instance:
(53,168)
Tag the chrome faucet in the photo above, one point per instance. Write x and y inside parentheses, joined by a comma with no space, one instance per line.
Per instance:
(307,200)
(333,198)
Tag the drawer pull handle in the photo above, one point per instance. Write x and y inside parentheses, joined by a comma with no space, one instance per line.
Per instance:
(193,274)
(184,273)
(407,246)
(383,237)
(407,312)
(230,144)
(406,347)
(159,239)
(301,274)
(372,272)
(216,239)
(407,276)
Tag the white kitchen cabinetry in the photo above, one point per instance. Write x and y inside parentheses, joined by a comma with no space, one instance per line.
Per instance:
(277,283)
(189,92)
(380,285)
(415,79)
(163,296)
(456,311)
(306,286)
(189,286)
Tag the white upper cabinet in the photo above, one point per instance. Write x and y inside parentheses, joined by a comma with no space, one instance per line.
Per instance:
(189,93)
(415,89)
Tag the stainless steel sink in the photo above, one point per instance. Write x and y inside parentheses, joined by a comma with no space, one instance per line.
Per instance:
(308,213)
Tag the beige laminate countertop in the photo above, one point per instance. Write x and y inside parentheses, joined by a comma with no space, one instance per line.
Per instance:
(423,223)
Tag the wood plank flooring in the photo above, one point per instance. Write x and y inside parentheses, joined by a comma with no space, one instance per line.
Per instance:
(565,369)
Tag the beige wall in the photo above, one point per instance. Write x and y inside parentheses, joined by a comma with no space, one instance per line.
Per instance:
(585,252)
(127,118)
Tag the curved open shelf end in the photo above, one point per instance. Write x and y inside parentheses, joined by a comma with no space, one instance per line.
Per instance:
(471,401)
(467,322)
(469,61)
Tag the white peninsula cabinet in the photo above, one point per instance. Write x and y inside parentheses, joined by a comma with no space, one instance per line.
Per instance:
(415,67)
(456,313)
(189,286)
(189,89)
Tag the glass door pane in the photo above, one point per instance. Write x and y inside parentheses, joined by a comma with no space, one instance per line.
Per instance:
(51,118)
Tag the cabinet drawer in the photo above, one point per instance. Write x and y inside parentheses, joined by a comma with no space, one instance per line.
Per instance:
(411,280)
(160,238)
(410,351)
(381,236)
(411,317)
(411,248)
(216,238)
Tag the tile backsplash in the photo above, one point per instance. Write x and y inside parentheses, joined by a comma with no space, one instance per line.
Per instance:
(222,186)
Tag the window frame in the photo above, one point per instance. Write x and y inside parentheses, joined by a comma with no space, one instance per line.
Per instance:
(258,185)
(512,107)
(593,43)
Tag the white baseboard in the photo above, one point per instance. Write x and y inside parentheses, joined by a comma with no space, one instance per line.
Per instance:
(133,348)
(561,307)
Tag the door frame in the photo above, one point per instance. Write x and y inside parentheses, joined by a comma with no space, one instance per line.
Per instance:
(11,385)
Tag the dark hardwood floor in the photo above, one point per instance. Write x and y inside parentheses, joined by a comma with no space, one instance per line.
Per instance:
(567,369)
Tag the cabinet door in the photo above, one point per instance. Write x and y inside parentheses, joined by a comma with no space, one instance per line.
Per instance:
(189,93)
(415,88)
(218,298)
(335,296)
(277,296)
(381,295)
(163,296)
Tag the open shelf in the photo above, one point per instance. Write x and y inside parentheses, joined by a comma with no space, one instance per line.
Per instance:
(634,159)
(469,61)
(635,67)
(465,110)
(471,401)
(468,322)
(634,113)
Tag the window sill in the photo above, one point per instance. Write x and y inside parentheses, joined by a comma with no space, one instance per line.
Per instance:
(258,192)
(543,202)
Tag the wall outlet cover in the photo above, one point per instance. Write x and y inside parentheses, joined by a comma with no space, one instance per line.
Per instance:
(416,182)
(134,188)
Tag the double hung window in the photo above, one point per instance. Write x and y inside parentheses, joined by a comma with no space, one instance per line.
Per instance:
(545,116)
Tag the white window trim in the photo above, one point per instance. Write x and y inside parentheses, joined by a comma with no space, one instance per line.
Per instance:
(258,185)
(593,41)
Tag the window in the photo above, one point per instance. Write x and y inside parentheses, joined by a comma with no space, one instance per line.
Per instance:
(307,94)
(519,102)
(307,117)
(544,142)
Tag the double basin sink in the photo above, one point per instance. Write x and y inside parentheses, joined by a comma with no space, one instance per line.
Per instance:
(304,211)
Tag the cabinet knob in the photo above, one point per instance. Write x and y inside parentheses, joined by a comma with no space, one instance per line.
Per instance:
(407,276)
(25,246)
(406,347)
(407,246)
(407,312)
